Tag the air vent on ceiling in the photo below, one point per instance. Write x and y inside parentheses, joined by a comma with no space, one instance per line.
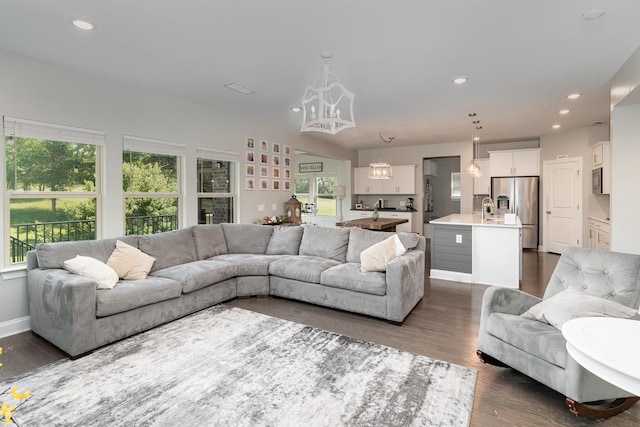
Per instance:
(239,88)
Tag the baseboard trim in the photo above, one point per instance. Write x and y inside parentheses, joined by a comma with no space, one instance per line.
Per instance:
(451,275)
(15,326)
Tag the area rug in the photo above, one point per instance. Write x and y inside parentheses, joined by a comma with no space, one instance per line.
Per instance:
(226,366)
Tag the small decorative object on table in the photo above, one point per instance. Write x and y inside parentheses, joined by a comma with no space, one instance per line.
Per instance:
(272,220)
(375,212)
(293,208)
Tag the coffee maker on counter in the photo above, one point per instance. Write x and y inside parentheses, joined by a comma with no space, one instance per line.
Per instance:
(409,204)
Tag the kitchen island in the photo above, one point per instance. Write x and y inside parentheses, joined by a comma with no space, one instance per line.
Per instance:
(472,249)
(381,224)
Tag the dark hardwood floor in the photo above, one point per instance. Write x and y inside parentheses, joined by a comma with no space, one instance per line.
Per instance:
(444,325)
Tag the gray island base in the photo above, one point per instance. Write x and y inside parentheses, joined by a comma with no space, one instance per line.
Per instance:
(472,249)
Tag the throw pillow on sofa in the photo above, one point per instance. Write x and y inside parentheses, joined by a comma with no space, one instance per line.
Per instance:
(104,276)
(376,257)
(130,263)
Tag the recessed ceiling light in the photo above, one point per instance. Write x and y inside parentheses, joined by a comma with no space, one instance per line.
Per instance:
(574,96)
(239,88)
(81,24)
(556,126)
(565,111)
(296,109)
(460,80)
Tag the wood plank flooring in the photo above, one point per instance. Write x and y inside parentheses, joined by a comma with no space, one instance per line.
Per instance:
(444,325)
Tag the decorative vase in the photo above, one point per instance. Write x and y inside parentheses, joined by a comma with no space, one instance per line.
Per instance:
(375,215)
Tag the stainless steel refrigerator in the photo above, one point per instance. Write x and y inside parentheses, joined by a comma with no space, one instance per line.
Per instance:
(519,195)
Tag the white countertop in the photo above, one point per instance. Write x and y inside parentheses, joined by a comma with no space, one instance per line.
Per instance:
(475,220)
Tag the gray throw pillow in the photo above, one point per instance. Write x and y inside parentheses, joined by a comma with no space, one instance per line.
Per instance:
(325,242)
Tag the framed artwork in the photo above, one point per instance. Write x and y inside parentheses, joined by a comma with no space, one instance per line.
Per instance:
(287,150)
(264,184)
(249,157)
(250,143)
(287,185)
(264,145)
(276,172)
(249,184)
(250,170)
(275,160)
(264,172)
(276,147)
(287,174)
(264,159)
(275,185)
(287,162)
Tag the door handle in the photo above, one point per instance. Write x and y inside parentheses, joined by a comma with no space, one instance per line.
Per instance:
(548,212)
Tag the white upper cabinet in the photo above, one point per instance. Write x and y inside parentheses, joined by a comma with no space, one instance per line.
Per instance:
(482,183)
(403,181)
(515,162)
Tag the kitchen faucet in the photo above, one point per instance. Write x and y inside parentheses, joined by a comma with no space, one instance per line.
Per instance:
(489,205)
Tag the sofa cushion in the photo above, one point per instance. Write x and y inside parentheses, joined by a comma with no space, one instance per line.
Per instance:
(376,257)
(536,338)
(104,276)
(169,248)
(572,304)
(304,268)
(348,276)
(198,274)
(53,255)
(209,240)
(285,240)
(325,242)
(250,264)
(130,263)
(127,295)
(247,238)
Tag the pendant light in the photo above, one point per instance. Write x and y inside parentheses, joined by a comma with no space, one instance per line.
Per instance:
(474,169)
(381,170)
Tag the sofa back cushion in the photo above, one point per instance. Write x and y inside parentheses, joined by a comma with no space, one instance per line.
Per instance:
(611,275)
(285,240)
(209,240)
(53,255)
(360,239)
(169,248)
(325,242)
(247,238)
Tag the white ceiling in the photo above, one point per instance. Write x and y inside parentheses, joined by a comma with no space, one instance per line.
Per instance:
(399,56)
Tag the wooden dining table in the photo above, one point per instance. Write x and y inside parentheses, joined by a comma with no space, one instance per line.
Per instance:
(381,224)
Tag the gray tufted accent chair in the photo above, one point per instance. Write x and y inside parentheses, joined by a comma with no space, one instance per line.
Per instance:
(538,350)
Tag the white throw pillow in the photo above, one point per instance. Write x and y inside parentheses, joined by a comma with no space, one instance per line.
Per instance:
(130,263)
(104,276)
(376,257)
(572,304)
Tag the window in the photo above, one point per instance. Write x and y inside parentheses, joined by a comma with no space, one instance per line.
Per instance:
(315,192)
(151,185)
(456,191)
(52,185)
(216,188)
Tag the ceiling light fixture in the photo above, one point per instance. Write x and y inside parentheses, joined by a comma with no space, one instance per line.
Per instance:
(592,14)
(565,111)
(296,109)
(556,126)
(574,96)
(381,170)
(474,169)
(460,80)
(327,105)
(81,24)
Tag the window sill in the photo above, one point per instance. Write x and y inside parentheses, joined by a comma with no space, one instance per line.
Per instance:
(14,272)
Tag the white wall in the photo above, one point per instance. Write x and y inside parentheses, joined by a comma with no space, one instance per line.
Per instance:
(625,152)
(577,143)
(37,90)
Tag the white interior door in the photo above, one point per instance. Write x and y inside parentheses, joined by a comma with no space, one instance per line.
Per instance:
(562,203)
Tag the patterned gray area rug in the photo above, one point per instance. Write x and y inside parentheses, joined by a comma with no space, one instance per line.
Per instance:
(231,367)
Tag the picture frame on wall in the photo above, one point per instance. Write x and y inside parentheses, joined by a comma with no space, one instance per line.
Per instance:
(275,160)
(250,170)
(275,185)
(287,174)
(249,157)
(264,184)
(264,159)
(276,147)
(276,172)
(250,144)
(264,145)
(264,172)
(287,185)
(287,162)
(249,184)
(287,150)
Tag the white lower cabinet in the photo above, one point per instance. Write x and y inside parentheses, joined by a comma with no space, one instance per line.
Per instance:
(599,234)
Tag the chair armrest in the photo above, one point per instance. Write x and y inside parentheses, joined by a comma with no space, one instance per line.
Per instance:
(507,300)
(405,284)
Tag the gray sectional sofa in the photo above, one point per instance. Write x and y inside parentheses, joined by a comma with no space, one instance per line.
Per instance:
(203,265)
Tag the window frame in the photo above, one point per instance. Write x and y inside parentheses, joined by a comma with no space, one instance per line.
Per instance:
(234,163)
(313,189)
